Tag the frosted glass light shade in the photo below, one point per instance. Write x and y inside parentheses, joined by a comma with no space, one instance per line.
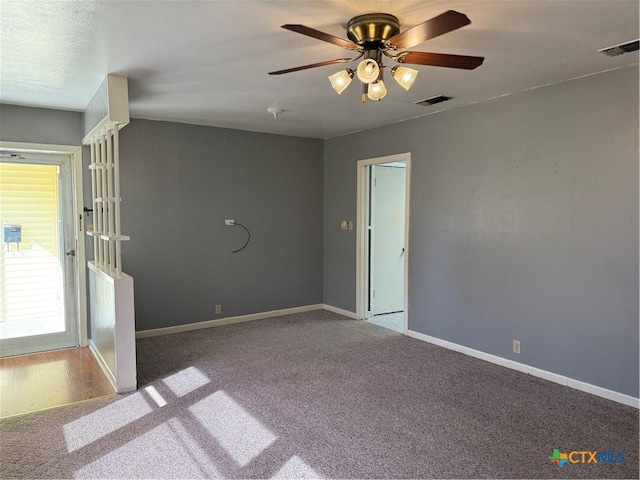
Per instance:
(368,70)
(377,91)
(404,76)
(341,80)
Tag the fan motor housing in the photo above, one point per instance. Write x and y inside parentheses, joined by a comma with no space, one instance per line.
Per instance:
(372,28)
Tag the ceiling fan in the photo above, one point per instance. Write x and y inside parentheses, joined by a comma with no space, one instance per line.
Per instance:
(373,35)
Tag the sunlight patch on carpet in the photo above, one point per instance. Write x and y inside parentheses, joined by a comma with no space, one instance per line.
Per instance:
(91,427)
(167,451)
(296,468)
(155,395)
(186,381)
(241,435)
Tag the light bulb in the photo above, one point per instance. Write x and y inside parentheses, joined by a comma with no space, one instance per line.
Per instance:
(404,76)
(377,91)
(341,80)
(368,70)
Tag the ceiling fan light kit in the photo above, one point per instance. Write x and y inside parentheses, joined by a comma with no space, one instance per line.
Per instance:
(377,91)
(341,80)
(368,70)
(405,76)
(376,34)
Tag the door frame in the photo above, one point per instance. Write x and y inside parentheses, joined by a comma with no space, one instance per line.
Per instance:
(75,152)
(361,237)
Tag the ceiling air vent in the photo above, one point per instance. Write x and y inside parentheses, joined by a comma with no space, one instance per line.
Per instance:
(427,102)
(616,50)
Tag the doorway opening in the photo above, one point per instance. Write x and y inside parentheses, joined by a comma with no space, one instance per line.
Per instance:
(41,301)
(382,246)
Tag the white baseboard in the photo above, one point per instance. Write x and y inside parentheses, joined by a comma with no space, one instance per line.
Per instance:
(536,372)
(340,311)
(103,365)
(225,321)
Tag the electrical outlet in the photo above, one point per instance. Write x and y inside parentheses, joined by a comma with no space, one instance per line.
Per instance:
(516,346)
(229,222)
(218,309)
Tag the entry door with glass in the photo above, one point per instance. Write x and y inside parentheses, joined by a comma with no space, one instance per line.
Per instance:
(37,281)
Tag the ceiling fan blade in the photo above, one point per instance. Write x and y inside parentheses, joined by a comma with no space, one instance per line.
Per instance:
(440,60)
(444,23)
(325,37)
(312,65)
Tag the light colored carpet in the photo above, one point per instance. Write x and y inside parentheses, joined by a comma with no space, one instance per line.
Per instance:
(318,395)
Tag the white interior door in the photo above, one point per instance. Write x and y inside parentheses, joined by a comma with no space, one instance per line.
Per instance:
(38,305)
(387,238)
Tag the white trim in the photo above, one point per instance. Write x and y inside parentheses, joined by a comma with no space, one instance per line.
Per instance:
(340,311)
(407,207)
(103,365)
(76,162)
(154,332)
(117,105)
(113,325)
(39,147)
(360,232)
(394,164)
(81,259)
(536,372)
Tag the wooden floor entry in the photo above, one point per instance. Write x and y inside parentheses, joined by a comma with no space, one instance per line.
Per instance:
(50,379)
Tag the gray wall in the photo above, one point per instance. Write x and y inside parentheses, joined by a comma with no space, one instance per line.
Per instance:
(40,125)
(180,182)
(524,225)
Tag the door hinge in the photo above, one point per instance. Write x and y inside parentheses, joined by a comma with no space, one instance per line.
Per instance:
(71,253)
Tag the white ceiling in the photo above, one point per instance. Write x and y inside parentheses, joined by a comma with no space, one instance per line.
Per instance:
(206,62)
